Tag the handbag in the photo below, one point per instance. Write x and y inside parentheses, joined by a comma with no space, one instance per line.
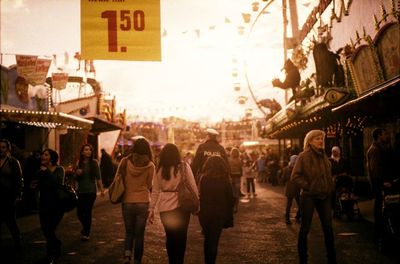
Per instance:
(116,189)
(187,198)
(67,197)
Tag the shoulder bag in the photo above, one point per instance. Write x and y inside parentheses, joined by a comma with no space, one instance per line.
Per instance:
(116,189)
(67,197)
(187,197)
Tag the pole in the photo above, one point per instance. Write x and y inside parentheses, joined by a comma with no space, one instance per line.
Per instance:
(285,22)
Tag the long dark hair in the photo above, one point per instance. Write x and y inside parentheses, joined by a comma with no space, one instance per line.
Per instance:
(169,157)
(91,158)
(215,167)
(142,147)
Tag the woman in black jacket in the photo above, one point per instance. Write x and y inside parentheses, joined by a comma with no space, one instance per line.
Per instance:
(50,176)
(216,204)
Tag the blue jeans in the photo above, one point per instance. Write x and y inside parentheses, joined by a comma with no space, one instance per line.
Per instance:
(135,218)
(324,210)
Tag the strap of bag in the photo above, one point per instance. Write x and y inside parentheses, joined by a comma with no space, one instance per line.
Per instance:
(4,163)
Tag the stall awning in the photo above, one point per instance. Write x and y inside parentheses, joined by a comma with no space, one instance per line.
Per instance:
(381,100)
(44,119)
(100,125)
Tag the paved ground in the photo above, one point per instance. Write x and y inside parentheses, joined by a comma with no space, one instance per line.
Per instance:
(259,236)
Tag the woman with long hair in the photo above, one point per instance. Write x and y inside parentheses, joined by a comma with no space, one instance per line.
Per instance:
(137,171)
(49,177)
(216,204)
(170,171)
(87,174)
(312,174)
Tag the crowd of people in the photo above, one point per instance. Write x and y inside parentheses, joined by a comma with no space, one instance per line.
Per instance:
(216,175)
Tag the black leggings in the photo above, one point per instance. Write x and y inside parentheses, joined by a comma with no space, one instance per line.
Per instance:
(175,224)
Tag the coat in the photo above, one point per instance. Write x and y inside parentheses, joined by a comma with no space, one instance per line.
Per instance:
(312,173)
(216,202)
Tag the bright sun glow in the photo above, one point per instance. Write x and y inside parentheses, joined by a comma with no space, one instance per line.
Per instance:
(203,56)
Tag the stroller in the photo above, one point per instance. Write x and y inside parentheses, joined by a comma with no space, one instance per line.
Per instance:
(391,215)
(345,200)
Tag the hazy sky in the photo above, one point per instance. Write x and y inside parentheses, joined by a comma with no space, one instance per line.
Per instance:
(200,51)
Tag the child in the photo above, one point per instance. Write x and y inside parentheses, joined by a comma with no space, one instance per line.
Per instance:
(248,173)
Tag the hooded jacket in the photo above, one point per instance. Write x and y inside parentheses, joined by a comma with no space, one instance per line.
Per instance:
(138,178)
(312,173)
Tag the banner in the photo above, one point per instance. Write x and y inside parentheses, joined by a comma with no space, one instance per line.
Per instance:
(32,69)
(121,30)
(40,74)
(59,80)
(26,65)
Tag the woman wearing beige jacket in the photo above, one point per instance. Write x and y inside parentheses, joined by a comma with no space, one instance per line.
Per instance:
(175,220)
(137,171)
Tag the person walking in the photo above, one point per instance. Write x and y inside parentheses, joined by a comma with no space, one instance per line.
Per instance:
(216,204)
(49,177)
(379,165)
(137,170)
(312,174)
(170,171)
(87,174)
(106,168)
(11,184)
(291,190)
(261,168)
(236,166)
(209,148)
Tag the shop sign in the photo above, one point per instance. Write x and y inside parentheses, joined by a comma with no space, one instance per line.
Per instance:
(121,30)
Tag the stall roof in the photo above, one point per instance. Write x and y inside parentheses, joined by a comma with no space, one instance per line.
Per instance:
(382,99)
(100,125)
(44,119)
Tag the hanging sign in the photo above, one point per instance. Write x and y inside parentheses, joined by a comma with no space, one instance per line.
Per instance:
(121,30)
(32,69)
(59,80)
(40,74)
(26,65)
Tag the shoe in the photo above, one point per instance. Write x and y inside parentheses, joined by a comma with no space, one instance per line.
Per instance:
(127,260)
(85,238)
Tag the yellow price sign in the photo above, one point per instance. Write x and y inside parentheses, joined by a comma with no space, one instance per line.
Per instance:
(121,30)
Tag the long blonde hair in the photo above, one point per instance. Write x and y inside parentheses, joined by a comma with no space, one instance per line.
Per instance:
(312,134)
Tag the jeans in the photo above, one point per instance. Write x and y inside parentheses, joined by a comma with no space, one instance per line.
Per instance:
(8,216)
(135,218)
(175,224)
(250,185)
(324,209)
(84,211)
(49,220)
(289,206)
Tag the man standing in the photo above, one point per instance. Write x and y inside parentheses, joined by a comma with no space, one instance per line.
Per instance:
(11,184)
(209,148)
(379,172)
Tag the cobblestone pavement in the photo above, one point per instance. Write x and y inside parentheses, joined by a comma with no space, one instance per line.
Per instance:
(260,235)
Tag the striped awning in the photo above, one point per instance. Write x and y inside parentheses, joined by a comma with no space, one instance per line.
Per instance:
(44,119)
